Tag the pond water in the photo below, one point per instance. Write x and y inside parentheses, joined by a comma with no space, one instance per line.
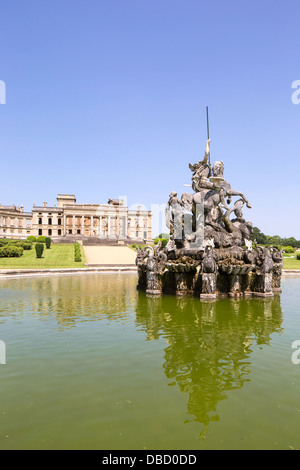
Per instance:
(93,364)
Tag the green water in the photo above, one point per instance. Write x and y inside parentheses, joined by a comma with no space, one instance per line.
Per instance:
(93,364)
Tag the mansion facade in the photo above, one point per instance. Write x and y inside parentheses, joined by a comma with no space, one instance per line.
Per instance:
(106,221)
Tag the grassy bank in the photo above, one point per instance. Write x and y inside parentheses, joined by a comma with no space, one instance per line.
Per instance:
(59,256)
(291,263)
(62,256)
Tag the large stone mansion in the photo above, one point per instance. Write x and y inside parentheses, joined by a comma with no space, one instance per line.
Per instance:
(107,221)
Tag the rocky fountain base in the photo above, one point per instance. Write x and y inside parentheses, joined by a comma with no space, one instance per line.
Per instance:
(211,273)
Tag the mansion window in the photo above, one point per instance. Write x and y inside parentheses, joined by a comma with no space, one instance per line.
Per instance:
(40,231)
(40,221)
(59,232)
(59,221)
(49,221)
(50,232)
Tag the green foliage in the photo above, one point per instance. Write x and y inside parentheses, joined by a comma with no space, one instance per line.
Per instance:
(298,256)
(48,243)
(288,249)
(275,240)
(5,241)
(164,235)
(11,251)
(25,245)
(41,239)
(133,245)
(77,253)
(31,239)
(164,241)
(39,249)
(259,236)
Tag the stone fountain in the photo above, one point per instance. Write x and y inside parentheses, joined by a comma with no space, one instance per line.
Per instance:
(210,252)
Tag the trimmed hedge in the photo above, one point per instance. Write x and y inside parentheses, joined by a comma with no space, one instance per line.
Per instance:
(31,238)
(18,243)
(39,249)
(11,251)
(77,253)
(164,241)
(298,256)
(48,243)
(25,245)
(41,239)
(5,241)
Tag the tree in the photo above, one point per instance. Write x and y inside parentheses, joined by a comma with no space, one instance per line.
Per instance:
(259,236)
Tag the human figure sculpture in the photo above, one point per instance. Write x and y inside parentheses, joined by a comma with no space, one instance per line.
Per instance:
(174,214)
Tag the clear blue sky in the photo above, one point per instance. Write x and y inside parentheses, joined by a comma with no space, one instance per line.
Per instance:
(107,98)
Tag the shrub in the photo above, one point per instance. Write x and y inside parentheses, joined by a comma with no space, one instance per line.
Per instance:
(39,249)
(77,253)
(31,239)
(289,249)
(156,241)
(298,256)
(164,242)
(41,239)
(5,241)
(10,251)
(25,245)
(48,243)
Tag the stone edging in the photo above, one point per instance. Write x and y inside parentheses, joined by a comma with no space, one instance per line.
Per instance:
(291,272)
(100,269)
(44,272)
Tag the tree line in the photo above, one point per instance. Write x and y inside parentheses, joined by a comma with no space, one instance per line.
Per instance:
(263,239)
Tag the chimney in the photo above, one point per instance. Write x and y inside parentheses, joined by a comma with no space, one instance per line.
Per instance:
(45,204)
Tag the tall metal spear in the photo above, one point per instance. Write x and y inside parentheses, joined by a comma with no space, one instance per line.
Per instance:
(207,121)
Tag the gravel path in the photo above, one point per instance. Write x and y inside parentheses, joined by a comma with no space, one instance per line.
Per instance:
(109,255)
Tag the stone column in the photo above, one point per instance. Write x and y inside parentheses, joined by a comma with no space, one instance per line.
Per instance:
(100,226)
(92,226)
(117,226)
(108,226)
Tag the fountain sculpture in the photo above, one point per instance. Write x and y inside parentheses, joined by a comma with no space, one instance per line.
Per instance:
(210,253)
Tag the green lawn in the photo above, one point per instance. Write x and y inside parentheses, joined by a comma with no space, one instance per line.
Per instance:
(59,256)
(62,256)
(291,263)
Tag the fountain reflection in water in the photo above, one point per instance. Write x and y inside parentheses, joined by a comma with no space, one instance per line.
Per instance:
(209,344)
